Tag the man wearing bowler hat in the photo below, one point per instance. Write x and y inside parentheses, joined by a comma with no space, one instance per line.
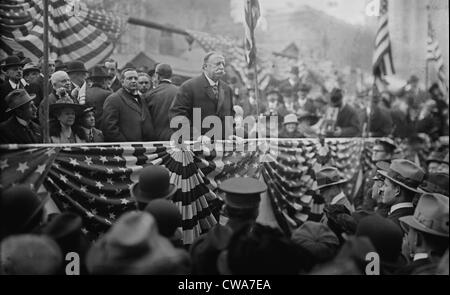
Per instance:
(347,122)
(78,74)
(428,233)
(11,67)
(97,93)
(435,183)
(21,211)
(20,128)
(154,183)
(293,81)
(32,76)
(242,199)
(401,181)
(329,185)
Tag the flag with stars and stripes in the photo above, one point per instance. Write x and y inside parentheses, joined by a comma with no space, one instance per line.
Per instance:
(252,14)
(75,31)
(94,180)
(434,55)
(291,176)
(382,62)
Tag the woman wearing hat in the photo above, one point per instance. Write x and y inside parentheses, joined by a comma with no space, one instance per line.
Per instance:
(290,124)
(87,122)
(64,129)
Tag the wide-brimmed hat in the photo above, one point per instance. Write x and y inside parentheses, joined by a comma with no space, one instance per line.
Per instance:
(66,230)
(430,216)
(435,183)
(312,118)
(66,102)
(20,208)
(10,61)
(60,65)
(290,119)
(274,91)
(383,166)
(386,141)
(29,255)
(154,183)
(133,246)
(436,156)
(329,176)
(405,173)
(98,71)
(75,66)
(30,67)
(304,87)
(18,98)
(243,192)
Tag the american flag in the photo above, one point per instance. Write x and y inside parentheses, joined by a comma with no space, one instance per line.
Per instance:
(252,14)
(382,58)
(94,180)
(75,31)
(434,54)
(291,176)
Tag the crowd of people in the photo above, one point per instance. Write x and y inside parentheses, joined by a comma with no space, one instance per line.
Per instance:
(401,215)
(403,223)
(109,105)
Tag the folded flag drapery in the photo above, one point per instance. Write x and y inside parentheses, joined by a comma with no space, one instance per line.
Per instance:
(94,180)
(75,31)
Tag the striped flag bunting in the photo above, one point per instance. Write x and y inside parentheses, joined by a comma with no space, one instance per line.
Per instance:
(94,180)
(75,31)
(382,63)
(434,55)
(252,14)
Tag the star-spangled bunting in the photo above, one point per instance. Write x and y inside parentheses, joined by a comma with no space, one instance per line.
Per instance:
(94,181)
(76,31)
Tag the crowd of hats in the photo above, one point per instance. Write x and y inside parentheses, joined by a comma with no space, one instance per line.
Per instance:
(147,240)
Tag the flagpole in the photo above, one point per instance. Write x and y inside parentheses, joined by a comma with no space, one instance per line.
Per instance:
(426,53)
(255,76)
(46,131)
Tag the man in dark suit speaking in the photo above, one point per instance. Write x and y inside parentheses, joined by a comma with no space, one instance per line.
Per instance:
(203,103)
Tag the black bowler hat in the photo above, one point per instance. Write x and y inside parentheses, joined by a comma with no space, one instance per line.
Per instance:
(154,183)
(75,66)
(60,66)
(435,183)
(65,229)
(243,192)
(20,208)
(98,72)
(11,61)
